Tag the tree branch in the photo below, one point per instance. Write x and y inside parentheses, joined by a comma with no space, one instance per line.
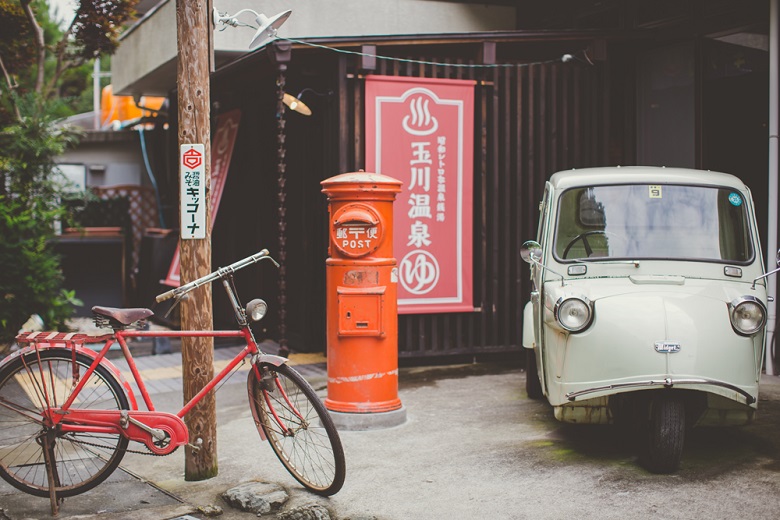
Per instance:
(62,64)
(40,44)
(11,88)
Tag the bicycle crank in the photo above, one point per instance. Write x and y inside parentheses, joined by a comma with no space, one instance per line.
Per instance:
(158,434)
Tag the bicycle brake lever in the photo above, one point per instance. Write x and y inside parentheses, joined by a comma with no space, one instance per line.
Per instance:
(176,301)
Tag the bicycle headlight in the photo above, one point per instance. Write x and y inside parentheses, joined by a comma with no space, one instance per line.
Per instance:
(574,313)
(747,314)
(256,309)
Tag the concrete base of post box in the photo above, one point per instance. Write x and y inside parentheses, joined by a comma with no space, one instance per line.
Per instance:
(368,421)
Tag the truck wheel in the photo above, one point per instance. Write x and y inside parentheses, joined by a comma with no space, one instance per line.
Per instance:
(533,386)
(665,434)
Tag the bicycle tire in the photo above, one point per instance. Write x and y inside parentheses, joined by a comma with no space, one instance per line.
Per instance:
(83,460)
(299,428)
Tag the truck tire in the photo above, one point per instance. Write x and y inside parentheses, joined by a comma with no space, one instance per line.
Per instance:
(665,434)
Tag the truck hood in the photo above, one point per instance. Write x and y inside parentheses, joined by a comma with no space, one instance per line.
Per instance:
(638,322)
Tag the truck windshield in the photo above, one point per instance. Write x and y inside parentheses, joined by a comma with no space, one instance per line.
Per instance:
(653,221)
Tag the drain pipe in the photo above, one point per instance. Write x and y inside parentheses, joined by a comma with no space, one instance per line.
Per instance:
(771,248)
(152,178)
(96,94)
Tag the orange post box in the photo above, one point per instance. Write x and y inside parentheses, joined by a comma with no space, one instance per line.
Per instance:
(361,279)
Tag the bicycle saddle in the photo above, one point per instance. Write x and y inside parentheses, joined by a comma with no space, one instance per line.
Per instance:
(123,316)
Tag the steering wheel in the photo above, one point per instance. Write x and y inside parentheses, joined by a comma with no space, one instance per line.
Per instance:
(584,237)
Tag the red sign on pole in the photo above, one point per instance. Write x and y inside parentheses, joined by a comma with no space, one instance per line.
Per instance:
(221,153)
(421,132)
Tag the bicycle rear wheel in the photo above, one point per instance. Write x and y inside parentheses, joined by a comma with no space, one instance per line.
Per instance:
(298,426)
(28,386)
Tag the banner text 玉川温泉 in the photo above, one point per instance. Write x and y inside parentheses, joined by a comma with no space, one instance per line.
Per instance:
(421,132)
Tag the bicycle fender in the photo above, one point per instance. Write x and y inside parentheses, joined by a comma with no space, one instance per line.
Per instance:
(82,350)
(270,359)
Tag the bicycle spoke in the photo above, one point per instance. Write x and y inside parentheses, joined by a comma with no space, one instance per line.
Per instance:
(287,399)
(20,410)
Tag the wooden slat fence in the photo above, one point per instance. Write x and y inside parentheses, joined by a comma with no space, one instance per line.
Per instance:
(530,121)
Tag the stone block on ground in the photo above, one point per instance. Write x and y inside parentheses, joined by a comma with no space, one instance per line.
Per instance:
(256,497)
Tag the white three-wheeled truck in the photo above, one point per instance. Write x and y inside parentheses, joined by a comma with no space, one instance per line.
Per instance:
(648,303)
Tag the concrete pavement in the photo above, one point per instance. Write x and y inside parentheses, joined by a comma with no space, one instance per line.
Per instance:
(474,446)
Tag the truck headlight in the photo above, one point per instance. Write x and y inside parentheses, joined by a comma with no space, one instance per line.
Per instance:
(256,309)
(747,314)
(573,313)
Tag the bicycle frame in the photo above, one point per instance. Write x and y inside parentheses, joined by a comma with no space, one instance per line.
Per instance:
(94,421)
(250,349)
(43,381)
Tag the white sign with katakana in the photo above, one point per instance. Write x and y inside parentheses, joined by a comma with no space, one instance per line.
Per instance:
(192,165)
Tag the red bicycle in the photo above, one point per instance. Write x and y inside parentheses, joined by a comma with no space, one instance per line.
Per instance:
(67,415)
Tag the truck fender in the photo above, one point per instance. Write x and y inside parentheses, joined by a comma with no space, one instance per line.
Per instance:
(528,325)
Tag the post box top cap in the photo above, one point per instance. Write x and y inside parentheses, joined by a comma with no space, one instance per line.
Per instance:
(362,178)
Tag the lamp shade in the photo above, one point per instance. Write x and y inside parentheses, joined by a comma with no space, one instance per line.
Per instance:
(267,28)
(296,104)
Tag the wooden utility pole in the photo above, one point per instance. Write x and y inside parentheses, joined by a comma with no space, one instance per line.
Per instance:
(193,23)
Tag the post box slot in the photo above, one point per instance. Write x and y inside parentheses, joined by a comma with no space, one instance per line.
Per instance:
(360,311)
(356,216)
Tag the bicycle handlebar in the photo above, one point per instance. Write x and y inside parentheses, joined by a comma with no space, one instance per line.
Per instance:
(219,273)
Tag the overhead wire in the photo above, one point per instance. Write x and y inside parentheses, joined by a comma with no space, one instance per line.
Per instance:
(434,63)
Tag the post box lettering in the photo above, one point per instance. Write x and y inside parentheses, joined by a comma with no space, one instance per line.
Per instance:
(357,229)
(356,245)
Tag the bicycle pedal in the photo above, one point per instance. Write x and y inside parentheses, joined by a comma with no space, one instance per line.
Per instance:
(197,446)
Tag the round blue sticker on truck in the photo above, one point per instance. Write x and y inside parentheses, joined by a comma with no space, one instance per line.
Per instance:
(735,199)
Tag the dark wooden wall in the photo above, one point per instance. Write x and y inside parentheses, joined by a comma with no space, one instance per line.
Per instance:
(530,121)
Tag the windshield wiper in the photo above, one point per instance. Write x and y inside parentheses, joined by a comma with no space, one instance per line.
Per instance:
(635,263)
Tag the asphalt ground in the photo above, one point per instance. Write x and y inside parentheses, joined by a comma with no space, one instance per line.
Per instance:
(473,447)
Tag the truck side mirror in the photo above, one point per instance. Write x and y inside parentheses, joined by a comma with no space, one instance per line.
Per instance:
(531,252)
(773,271)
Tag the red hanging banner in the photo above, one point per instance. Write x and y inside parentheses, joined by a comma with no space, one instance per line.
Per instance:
(421,132)
(221,153)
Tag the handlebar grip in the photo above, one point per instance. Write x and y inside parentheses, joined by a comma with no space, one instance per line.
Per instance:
(165,296)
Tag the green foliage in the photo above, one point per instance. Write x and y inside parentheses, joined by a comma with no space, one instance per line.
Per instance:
(15,48)
(28,150)
(31,278)
(30,275)
(43,74)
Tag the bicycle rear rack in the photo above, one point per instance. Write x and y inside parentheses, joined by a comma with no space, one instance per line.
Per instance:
(67,338)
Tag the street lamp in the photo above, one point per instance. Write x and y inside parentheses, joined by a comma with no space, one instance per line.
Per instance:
(294,102)
(266,27)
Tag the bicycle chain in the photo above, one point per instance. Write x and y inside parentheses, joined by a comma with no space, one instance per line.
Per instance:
(127,450)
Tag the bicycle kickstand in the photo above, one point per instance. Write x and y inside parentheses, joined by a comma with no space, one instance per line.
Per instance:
(51,472)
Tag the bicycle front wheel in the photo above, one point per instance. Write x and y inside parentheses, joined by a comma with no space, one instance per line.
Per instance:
(35,382)
(298,426)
